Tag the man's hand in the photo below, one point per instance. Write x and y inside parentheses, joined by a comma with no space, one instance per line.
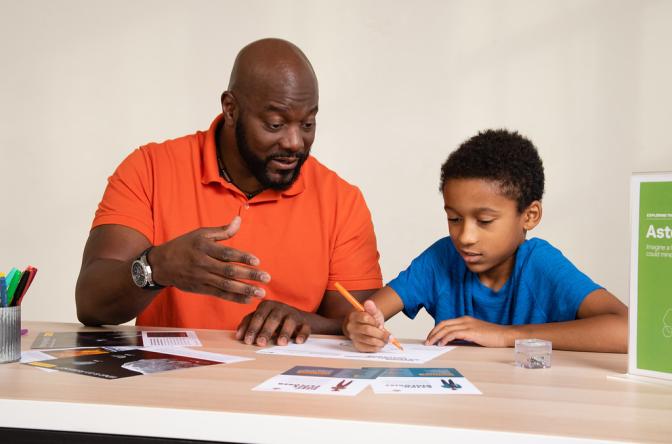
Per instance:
(365,328)
(469,329)
(274,319)
(196,262)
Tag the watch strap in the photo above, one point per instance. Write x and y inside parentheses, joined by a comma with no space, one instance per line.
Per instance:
(144,258)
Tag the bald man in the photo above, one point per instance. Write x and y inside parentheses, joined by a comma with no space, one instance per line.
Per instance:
(237,227)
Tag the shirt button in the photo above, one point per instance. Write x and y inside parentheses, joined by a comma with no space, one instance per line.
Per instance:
(247,206)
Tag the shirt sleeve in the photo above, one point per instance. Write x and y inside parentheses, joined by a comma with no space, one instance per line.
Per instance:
(128,196)
(416,285)
(354,259)
(559,287)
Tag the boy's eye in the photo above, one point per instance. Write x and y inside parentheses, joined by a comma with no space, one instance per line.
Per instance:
(485,221)
(454,220)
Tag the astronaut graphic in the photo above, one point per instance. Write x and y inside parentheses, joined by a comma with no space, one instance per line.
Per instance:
(667,323)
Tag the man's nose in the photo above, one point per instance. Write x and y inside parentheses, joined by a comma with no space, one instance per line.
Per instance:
(293,140)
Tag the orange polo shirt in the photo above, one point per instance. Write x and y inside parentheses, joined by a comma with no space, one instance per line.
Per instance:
(307,237)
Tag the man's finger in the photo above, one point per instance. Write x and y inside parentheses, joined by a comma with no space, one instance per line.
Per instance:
(222,253)
(256,322)
(242,328)
(225,232)
(287,329)
(270,326)
(303,333)
(230,286)
(226,295)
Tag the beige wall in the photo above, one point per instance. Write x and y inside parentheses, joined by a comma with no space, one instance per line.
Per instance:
(402,84)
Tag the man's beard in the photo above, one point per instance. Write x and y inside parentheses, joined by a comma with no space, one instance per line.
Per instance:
(259,166)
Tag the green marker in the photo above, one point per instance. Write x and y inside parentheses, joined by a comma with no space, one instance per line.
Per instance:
(13,278)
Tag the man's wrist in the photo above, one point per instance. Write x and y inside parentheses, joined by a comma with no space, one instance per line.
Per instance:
(142,273)
(153,260)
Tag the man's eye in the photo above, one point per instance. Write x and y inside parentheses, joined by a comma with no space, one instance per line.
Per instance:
(308,125)
(274,126)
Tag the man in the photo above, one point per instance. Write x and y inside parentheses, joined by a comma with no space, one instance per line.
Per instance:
(243,228)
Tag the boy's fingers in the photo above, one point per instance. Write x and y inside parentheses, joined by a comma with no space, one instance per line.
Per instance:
(437,336)
(372,331)
(362,317)
(367,343)
(371,309)
(450,323)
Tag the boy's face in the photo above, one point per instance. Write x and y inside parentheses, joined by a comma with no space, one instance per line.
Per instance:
(486,227)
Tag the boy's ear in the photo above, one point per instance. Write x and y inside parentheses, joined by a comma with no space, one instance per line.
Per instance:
(532,215)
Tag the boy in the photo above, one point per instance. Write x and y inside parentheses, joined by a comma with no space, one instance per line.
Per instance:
(486,283)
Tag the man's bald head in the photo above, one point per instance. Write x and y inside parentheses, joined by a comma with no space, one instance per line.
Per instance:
(271,64)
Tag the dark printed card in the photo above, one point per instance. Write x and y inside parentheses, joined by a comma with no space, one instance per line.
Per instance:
(50,339)
(113,365)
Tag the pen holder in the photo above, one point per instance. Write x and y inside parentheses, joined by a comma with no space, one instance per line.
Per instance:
(10,334)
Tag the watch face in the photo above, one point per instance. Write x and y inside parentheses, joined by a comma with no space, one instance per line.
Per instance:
(138,273)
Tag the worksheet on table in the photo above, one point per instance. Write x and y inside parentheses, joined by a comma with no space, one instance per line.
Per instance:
(343,349)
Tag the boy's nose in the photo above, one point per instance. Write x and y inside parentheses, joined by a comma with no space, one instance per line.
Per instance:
(468,235)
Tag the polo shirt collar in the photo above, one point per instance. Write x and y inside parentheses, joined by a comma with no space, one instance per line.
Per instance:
(210,168)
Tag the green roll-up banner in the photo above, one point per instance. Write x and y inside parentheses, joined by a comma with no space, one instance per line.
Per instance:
(650,340)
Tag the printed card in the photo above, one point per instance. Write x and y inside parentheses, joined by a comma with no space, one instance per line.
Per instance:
(433,381)
(321,381)
(114,365)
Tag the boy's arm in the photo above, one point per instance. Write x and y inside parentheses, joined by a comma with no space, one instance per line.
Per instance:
(602,326)
(388,302)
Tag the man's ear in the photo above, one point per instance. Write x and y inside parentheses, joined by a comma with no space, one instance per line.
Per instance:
(532,215)
(229,108)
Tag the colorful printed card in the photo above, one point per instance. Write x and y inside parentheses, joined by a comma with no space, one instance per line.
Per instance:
(425,381)
(321,381)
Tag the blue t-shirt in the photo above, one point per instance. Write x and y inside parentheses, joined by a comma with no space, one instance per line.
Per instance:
(544,286)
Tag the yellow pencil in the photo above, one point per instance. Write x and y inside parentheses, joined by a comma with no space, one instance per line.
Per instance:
(355,303)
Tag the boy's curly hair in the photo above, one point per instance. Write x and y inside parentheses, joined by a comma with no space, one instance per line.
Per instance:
(501,156)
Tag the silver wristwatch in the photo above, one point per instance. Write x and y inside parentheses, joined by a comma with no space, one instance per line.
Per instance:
(141,272)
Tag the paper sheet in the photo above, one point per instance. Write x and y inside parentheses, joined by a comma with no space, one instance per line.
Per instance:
(343,349)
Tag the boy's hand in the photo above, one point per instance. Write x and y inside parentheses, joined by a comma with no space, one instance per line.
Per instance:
(469,329)
(365,328)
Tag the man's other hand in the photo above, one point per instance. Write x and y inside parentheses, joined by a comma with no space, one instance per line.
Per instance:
(274,319)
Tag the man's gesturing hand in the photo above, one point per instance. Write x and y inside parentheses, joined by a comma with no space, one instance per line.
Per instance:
(273,319)
(196,262)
